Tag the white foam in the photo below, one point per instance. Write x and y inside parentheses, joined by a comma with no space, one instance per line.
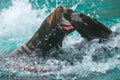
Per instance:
(20,20)
(18,23)
(116,27)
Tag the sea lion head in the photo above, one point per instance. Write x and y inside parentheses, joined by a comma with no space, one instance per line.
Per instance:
(51,32)
(55,17)
(58,17)
(89,28)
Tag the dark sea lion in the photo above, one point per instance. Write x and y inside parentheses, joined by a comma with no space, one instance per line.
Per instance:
(89,28)
(50,34)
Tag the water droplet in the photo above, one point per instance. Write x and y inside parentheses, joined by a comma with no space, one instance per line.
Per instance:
(50,44)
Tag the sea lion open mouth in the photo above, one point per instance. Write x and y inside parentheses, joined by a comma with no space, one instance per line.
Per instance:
(66,19)
(66,24)
(58,17)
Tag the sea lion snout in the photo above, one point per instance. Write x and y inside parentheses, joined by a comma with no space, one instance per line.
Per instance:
(66,20)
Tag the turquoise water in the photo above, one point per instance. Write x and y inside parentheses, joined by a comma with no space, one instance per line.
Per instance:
(106,11)
(19,20)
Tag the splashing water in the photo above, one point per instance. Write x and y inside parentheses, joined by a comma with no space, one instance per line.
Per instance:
(18,24)
(20,19)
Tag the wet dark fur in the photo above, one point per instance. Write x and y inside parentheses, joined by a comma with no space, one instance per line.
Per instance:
(89,28)
(50,34)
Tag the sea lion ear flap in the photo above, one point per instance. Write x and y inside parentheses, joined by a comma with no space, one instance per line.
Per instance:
(49,20)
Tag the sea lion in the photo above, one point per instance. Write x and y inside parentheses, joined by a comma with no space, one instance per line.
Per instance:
(50,34)
(89,28)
